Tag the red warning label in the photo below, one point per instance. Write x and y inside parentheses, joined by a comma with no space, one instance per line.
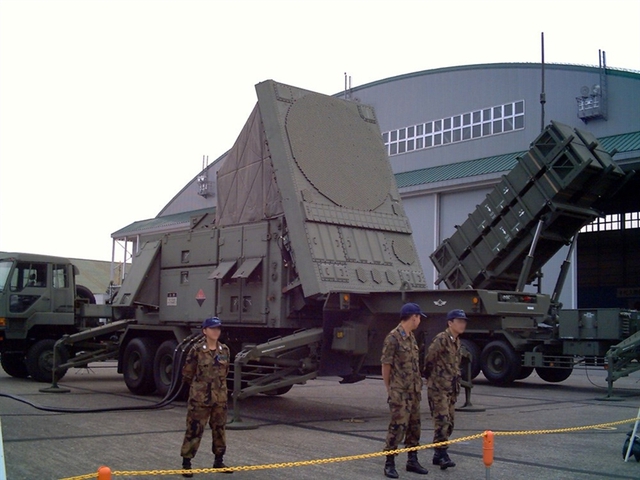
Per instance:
(200,297)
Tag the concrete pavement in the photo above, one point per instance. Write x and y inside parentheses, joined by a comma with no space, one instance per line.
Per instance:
(320,420)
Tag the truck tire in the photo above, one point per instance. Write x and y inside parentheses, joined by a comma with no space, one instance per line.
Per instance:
(474,350)
(554,375)
(14,364)
(500,363)
(163,366)
(137,366)
(40,360)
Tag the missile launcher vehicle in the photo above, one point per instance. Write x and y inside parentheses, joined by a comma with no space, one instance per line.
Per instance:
(309,256)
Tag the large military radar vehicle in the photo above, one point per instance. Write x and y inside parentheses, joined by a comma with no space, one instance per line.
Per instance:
(307,259)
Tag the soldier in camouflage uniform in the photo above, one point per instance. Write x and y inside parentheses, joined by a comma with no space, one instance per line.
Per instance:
(442,370)
(205,370)
(402,379)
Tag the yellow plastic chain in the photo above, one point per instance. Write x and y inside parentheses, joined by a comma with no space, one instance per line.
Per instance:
(349,458)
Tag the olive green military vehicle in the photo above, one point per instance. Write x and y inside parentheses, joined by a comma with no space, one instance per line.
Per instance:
(39,303)
(559,186)
(296,260)
(307,259)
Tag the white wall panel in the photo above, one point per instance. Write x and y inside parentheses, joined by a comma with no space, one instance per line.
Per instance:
(421,214)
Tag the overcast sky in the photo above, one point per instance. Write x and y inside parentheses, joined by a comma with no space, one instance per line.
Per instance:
(107,107)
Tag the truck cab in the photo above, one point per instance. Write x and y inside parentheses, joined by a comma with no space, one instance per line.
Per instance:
(38,298)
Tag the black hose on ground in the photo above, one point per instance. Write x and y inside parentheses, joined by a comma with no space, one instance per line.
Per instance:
(179,357)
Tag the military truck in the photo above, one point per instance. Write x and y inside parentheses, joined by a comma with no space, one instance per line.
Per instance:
(39,303)
(559,186)
(306,260)
(295,248)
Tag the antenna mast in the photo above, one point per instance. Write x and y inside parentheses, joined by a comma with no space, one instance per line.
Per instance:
(543,98)
(347,86)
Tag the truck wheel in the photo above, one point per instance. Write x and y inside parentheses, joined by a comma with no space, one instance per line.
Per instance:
(138,365)
(474,350)
(40,360)
(500,363)
(554,375)
(163,366)
(14,364)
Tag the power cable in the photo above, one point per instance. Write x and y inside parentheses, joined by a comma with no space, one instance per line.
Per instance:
(175,388)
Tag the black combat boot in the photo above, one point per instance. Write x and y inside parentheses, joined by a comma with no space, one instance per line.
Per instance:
(186,465)
(441,458)
(414,466)
(390,467)
(218,463)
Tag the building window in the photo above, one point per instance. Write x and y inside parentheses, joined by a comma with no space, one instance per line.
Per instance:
(632,220)
(458,128)
(613,222)
(60,279)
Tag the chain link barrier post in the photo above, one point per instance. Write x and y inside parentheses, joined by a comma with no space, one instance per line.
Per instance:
(487,452)
(104,473)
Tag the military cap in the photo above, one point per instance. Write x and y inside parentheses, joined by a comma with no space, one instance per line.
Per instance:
(453,314)
(411,309)
(213,322)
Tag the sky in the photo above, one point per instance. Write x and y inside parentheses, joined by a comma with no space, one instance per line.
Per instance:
(108,106)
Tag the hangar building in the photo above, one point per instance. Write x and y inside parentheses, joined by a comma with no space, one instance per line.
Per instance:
(452,133)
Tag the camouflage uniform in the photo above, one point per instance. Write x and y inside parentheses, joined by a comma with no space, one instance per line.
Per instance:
(400,350)
(205,370)
(442,369)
